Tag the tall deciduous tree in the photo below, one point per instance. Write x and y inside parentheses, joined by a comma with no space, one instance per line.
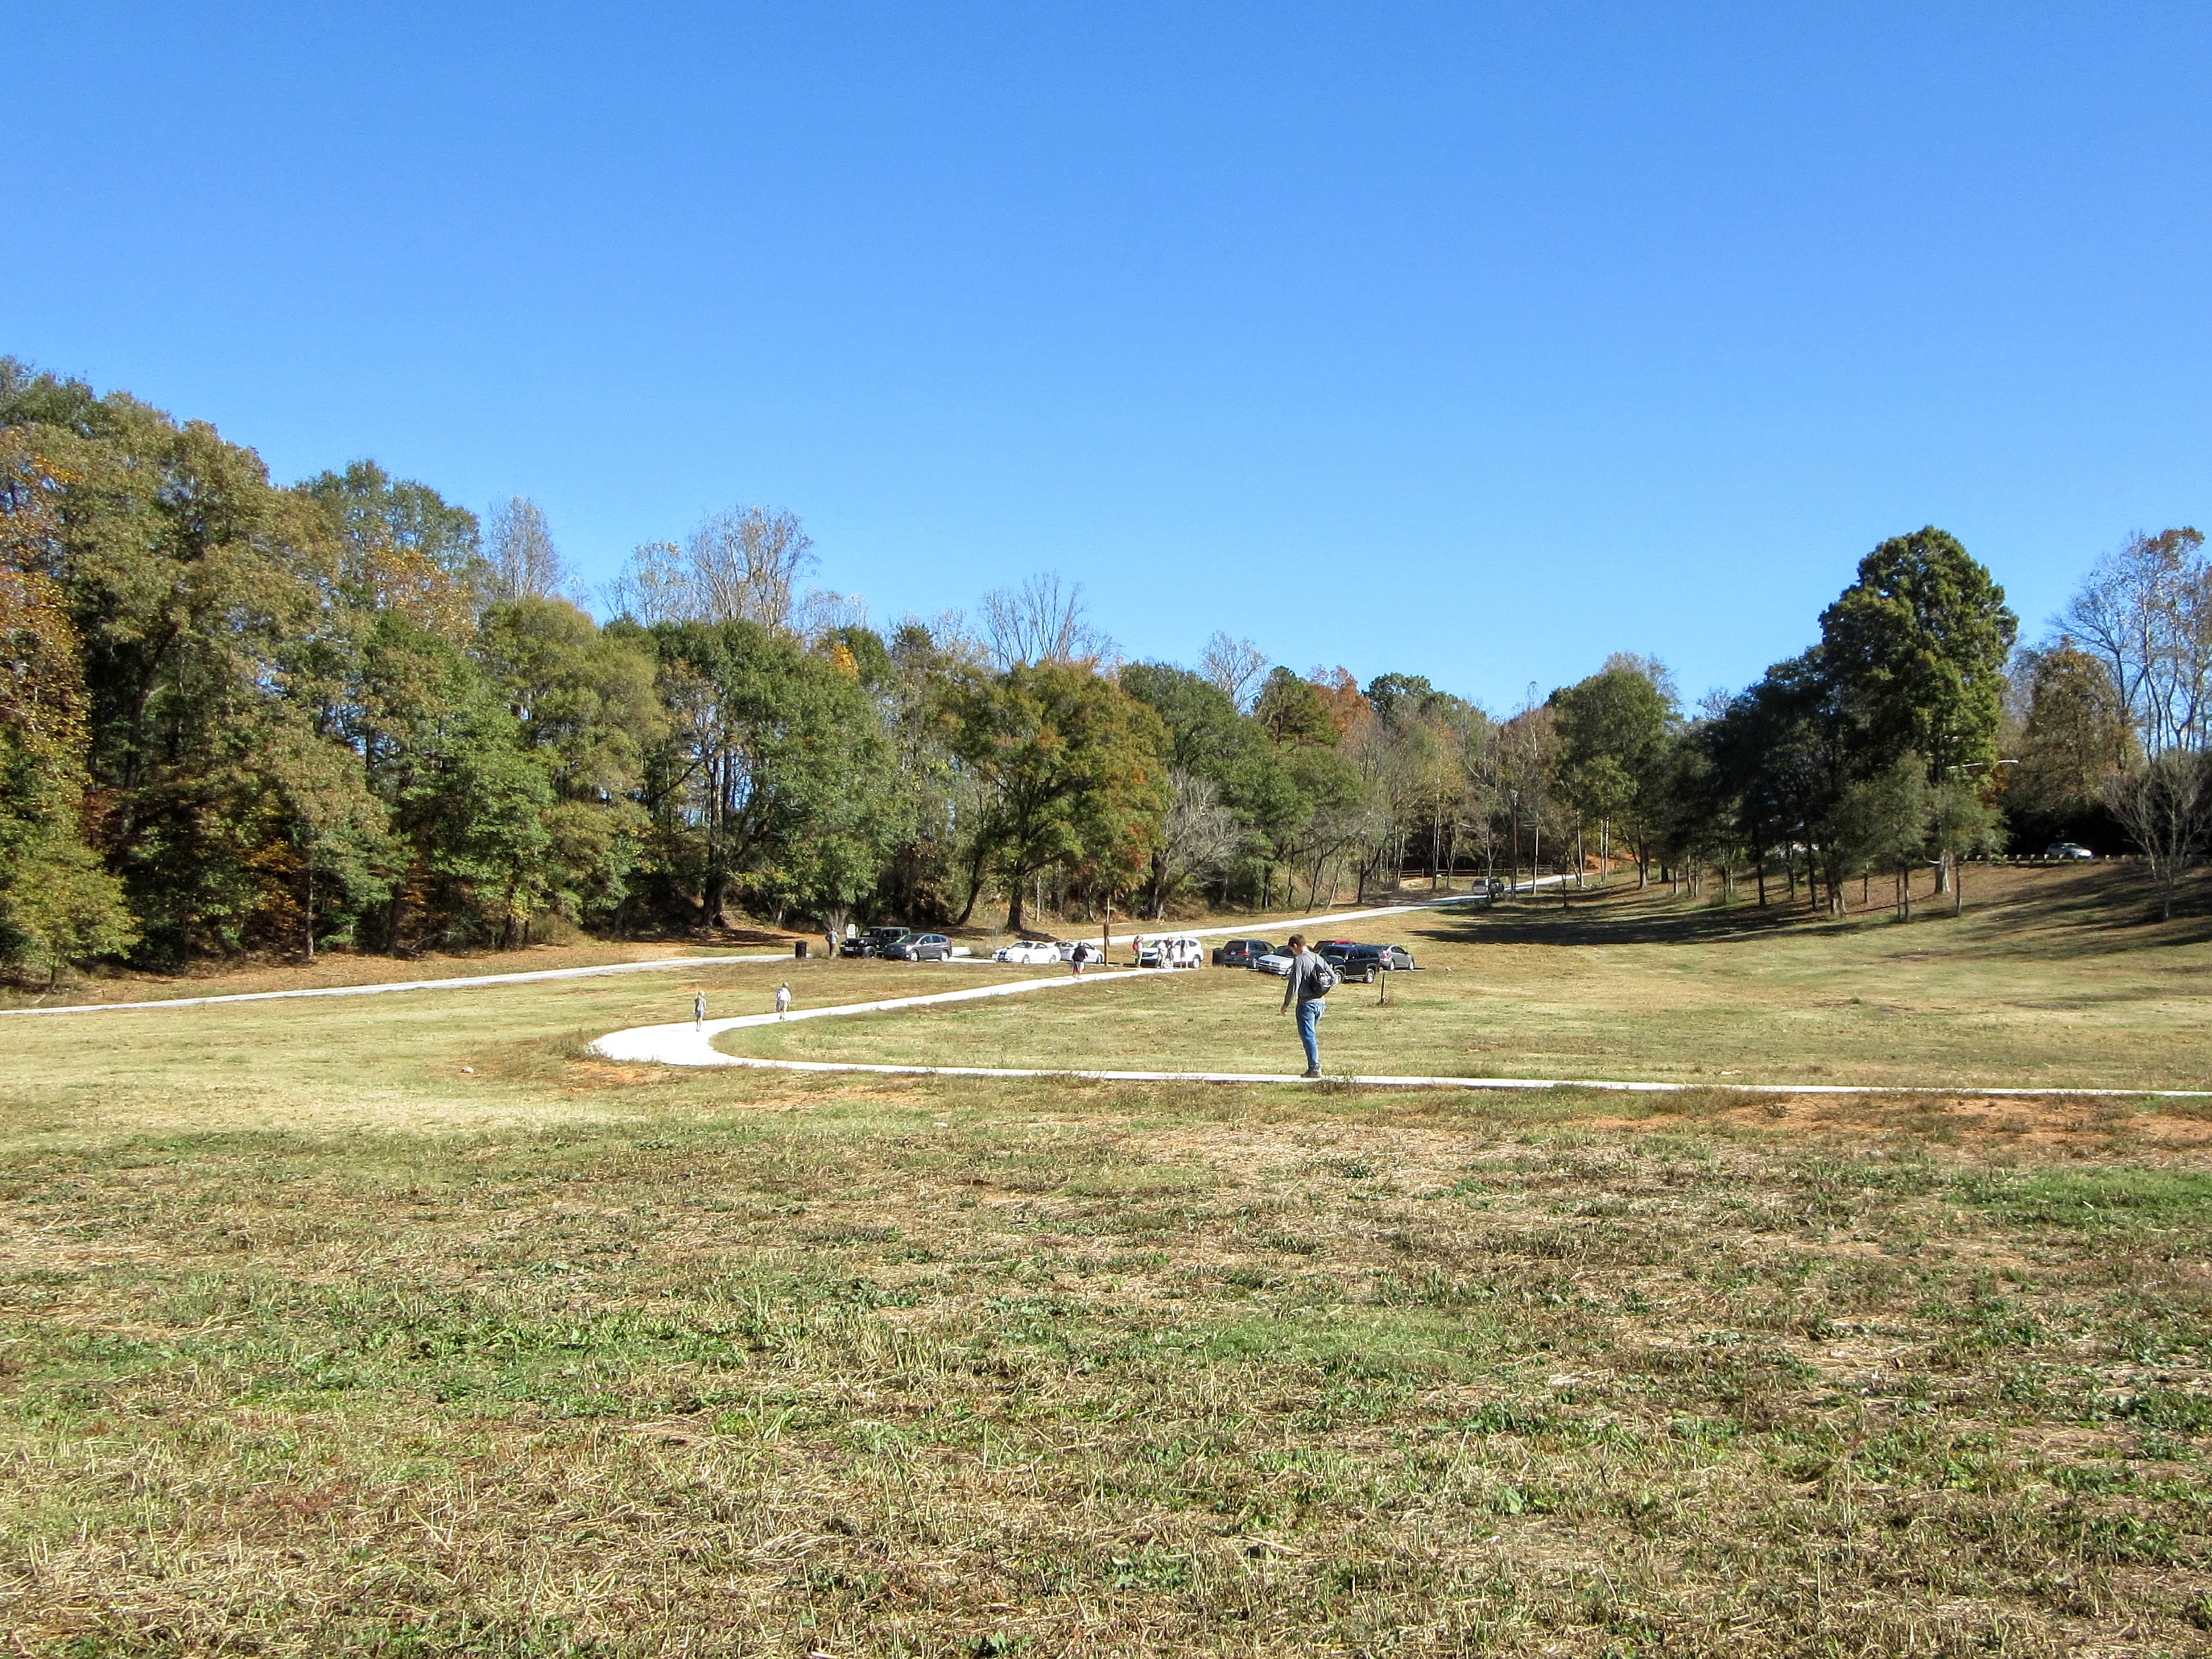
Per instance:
(1613,732)
(59,904)
(1916,647)
(776,780)
(1072,773)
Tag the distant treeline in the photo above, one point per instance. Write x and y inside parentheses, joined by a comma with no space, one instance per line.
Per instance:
(236,715)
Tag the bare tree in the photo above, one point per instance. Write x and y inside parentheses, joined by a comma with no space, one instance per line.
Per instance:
(1199,834)
(652,586)
(525,564)
(2145,610)
(743,563)
(822,612)
(1236,666)
(1040,622)
(2166,806)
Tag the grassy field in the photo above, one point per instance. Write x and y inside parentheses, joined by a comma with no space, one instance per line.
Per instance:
(2046,981)
(396,1326)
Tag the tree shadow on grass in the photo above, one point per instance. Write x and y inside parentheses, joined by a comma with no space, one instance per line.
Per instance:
(1597,916)
(2100,912)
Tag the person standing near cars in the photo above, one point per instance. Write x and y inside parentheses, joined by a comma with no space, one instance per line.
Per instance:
(1309,980)
(1079,955)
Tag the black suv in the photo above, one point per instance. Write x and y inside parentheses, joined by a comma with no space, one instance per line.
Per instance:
(1241,952)
(873,942)
(1363,961)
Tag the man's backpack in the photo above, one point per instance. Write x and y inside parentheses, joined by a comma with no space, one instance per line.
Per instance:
(1324,977)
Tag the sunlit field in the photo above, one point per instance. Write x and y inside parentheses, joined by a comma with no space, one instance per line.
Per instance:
(399,1325)
(2047,980)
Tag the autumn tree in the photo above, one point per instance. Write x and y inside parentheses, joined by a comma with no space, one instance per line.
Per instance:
(2077,734)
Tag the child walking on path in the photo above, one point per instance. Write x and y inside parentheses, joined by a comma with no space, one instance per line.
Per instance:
(699,1011)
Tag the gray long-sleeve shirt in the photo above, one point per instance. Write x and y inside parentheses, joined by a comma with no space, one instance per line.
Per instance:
(1299,985)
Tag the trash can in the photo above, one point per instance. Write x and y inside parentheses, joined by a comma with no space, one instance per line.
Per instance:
(800,948)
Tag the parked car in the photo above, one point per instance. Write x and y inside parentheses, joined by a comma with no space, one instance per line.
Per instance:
(2067,850)
(1171,951)
(1363,961)
(875,941)
(1277,962)
(1241,952)
(919,947)
(1333,952)
(1028,952)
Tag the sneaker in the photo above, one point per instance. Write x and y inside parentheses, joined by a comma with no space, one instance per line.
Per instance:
(1313,1071)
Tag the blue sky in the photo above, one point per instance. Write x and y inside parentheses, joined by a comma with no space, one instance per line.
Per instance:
(1476,342)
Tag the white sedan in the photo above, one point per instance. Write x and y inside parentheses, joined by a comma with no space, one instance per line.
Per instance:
(1274,963)
(1029,953)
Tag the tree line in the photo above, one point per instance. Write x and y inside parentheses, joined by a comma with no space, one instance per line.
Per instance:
(237,715)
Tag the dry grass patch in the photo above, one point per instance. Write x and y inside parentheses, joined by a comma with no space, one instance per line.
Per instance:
(1005,1370)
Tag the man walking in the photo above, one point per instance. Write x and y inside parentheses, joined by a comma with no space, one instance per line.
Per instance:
(782,1001)
(1079,955)
(699,1011)
(1309,980)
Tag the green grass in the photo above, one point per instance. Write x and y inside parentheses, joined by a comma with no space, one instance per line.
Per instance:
(2017,992)
(312,1342)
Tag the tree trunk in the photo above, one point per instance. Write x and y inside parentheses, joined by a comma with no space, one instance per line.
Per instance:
(975,883)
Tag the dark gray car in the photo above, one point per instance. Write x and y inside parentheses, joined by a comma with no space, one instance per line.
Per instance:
(919,947)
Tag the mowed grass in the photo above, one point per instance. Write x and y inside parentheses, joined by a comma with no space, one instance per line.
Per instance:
(2048,981)
(312,1343)
(408,1059)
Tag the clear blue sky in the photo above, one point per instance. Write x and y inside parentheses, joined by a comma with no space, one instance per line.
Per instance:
(1469,341)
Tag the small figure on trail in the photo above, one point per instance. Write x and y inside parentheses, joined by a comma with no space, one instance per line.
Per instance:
(1309,980)
(699,1011)
(782,1001)
(1079,955)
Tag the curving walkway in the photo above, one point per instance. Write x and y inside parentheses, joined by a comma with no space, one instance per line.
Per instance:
(684,1044)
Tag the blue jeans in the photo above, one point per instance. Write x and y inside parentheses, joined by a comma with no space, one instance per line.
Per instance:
(1309,1012)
